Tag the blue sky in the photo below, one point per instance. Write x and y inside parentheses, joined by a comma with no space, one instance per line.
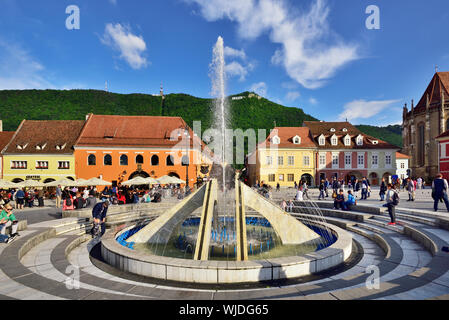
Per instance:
(314,54)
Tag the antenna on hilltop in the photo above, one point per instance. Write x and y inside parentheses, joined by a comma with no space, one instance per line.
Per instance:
(106,86)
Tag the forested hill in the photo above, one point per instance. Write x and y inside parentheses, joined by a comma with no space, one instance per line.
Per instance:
(247,109)
(391,134)
(16,105)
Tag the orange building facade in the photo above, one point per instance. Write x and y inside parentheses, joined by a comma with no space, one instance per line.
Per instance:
(119,148)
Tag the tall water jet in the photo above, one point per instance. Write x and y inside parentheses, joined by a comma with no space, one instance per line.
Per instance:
(218,77)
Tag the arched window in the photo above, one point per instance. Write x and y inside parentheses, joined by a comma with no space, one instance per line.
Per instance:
(421,144)
(155,160)
(139,159)
(92,160)
(170,162)
(107,160)
(123,160)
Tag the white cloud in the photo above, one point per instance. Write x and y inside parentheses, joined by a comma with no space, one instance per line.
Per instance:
(114,2)
(130,46)
(236,69)
(310,53)
(260,88)
(362,109)
(313,101)
(292,96)
(19,70)
(234,53)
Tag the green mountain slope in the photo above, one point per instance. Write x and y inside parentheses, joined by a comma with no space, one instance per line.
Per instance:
(250,112)
(391,134)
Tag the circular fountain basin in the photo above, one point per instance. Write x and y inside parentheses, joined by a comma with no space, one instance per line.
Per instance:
(227,272)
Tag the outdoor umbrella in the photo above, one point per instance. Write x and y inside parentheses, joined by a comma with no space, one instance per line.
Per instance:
(62,182)
(4,184)
(177,180)
(98,182)
(137,181)
(31,184)
(81,183)
(165,180)
(151,181)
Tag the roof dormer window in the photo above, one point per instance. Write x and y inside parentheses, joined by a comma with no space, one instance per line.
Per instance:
(333,130)
(297,140)
(276,140)
(322,140)
(360,140)
(375,142)
(345,130)
(61,146)
(22,146)
(41,146)
(334,140)
(348,141)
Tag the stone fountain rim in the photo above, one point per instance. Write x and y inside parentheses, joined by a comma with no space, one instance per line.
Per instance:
(158,267)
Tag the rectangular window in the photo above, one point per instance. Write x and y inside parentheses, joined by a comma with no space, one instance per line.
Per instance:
(348,159)
(375,160)
(388,160)
(280,161)
(41,164)
(322,160)
(281,177)
(271,177)
(402,165)
(63,165)
(291,177)
(269,161)
(361,160)
(306,161)
(291,160)
(19,164)
(335,160)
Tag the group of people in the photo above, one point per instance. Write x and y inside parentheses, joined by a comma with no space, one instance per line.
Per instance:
(73,198)
(355,186)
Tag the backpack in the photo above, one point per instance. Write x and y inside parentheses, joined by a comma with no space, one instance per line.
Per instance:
(68,202)
(395,198)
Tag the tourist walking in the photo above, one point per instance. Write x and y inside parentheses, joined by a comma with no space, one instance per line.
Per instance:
(439,191)
(321,188)
(383,190)
(356,188)
(410,190)
(364,186)
(20,198)
(58,196)
(305,190)
(326,188)
(392,202)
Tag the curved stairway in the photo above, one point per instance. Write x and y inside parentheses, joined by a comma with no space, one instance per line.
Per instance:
(42,263)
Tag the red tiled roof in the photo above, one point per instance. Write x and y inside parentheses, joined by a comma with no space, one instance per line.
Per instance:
(286,135)
(402,156)
(438,84)
(443,135)
(5,137)
(48,134)
(341,130)
(131,131)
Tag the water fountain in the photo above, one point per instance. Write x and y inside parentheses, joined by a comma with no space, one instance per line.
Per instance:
(225,232)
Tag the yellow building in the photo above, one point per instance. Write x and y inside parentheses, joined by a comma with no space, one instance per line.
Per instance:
(287,156)
(41,151)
